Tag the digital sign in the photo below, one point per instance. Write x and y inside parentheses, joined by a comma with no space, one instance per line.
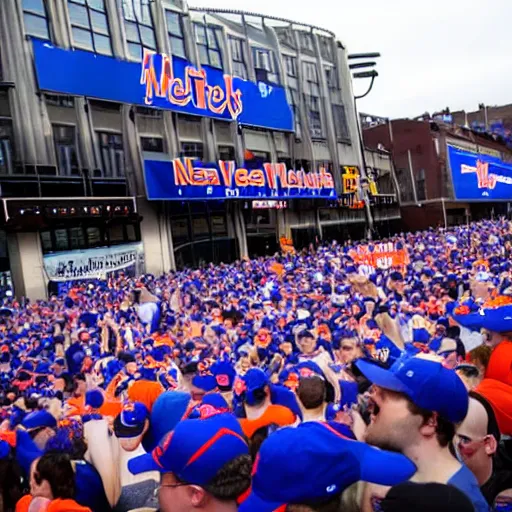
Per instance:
(191,179)
(162,82)
(479,176)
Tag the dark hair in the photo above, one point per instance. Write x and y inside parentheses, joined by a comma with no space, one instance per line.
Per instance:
(332,505)
(311,392)
(445,430)
(10,484)
(56,469)
(257,439)
(232,480)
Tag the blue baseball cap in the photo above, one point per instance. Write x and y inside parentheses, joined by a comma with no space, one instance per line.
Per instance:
(39,419)
(130,422)
(428,384)
(196,449)
(314,462)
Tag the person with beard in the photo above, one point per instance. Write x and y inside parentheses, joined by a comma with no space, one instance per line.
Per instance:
(416,405)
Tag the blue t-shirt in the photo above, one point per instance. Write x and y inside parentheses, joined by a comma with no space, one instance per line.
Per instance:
(466,482)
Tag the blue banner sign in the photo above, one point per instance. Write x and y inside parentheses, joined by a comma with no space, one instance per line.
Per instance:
(477,176)
(161,82)
(188,179)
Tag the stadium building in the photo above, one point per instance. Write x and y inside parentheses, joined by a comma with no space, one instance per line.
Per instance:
(150,135)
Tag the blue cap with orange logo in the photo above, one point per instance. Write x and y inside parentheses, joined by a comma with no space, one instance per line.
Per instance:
(196,449)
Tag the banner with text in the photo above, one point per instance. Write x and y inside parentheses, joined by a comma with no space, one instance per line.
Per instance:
(162,82)
(478,176)
(93,263)
(381,255)
(184,178)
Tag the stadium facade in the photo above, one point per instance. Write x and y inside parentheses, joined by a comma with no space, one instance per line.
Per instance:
(150,135)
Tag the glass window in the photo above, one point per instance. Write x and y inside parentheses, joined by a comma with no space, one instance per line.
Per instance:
(46,241)
(306,41)
(226,153)
(61,240)
(77,238)
(207,39)
(294,104)
(265,65)
(310,72)
(421,192)
(66,148)
(155,144)
(219,226)
(200,227)
(340,122)
(94,238)
(237,54)
(175,34)
(35,19)
(315,118)
(138,23)
(59,100)
(330,78)
(89,25)
(290,64)
(6,147)
(192,150)
(112,154)
(116,233)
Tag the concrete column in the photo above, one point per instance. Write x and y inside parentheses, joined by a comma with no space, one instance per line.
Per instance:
(155,237)
(26,260)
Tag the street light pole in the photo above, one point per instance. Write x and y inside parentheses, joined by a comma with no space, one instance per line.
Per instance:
(364,74)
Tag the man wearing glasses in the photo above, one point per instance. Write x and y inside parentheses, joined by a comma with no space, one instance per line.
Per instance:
(204,465)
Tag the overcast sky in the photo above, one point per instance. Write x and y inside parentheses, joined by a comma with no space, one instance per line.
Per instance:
(435,53)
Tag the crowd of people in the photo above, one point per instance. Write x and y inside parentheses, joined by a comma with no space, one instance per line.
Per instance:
(301,382)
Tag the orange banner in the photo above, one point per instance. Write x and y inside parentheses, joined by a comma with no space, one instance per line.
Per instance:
(381,256)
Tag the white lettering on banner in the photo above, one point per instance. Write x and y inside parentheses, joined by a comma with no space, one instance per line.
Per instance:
(92,263)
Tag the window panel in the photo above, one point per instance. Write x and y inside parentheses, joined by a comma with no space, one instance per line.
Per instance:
(61,240)
(77,238)
(173,23)
(215,59)
(155,144)
(112,154)
(99,22)
(148,37)
(97,4)
(135,50)
(66,148)
(93,237)
(36,26)
(36,6)
(89,25)
(175,33)
(290,63)
(178,47)
(78,15)
(237,54)
(102,44)
(46,241)
(83,38)
(139,27)
(207,41)
(201,34)
(132,32)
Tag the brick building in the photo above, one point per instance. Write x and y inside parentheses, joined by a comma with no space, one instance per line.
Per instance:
(425,154)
